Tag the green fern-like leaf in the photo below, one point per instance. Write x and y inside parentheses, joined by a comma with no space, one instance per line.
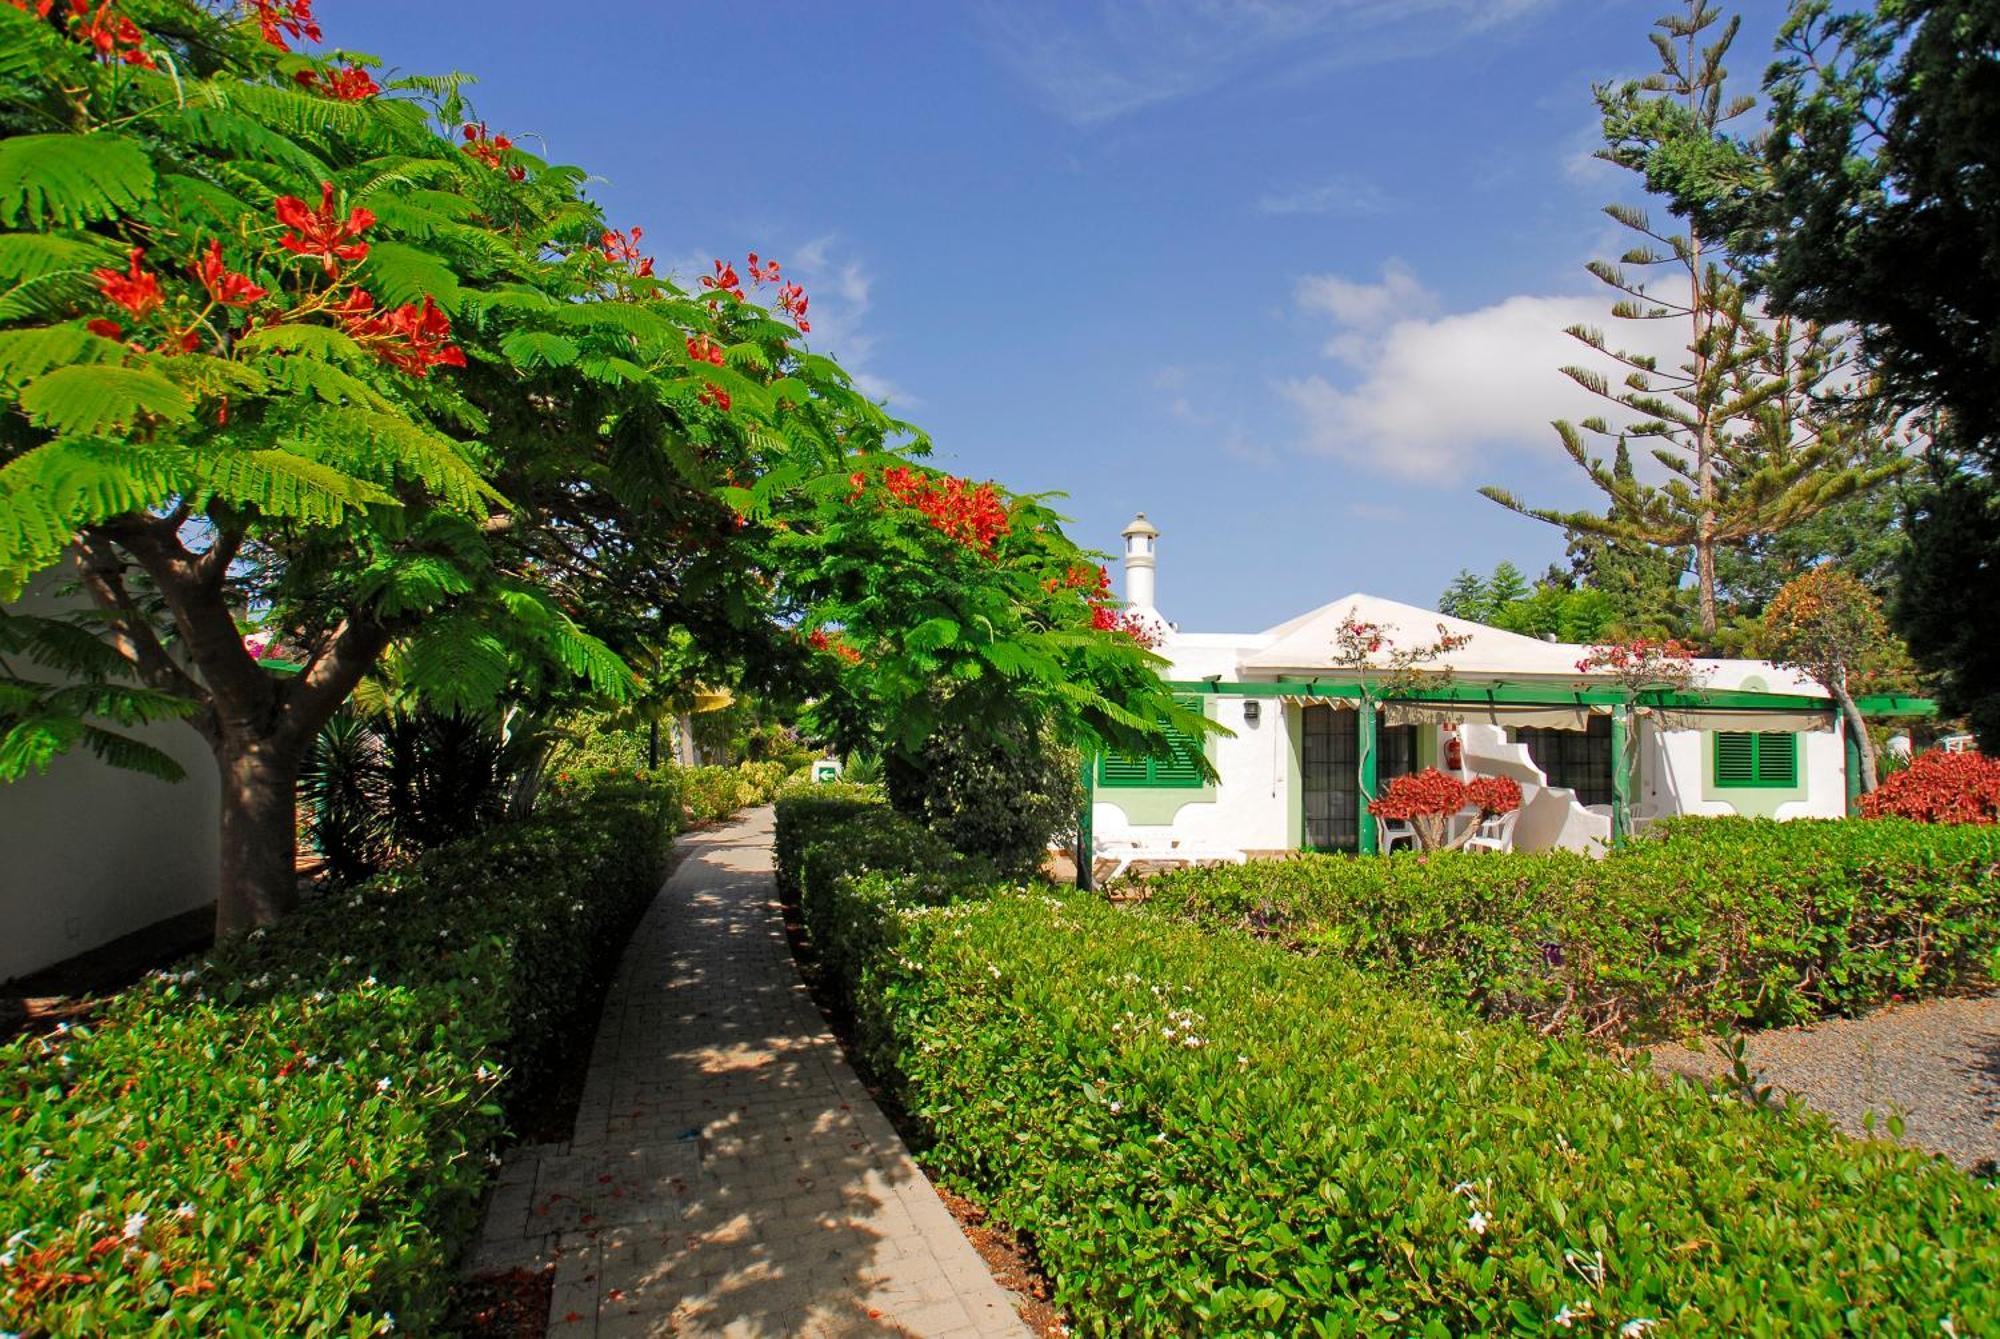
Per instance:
(539,348)
(457,663)
(128,754)
(389,448)
(399,273)
(95,401)
(71,180)
(26,354)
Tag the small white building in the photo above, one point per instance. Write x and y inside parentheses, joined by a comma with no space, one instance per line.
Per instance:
(1750,738)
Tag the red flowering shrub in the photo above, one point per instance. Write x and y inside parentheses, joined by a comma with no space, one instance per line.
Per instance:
(1493,794)
(1426,800)
(1940,787)
(1420,795)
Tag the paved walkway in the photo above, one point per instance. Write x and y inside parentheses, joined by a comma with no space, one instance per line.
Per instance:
(729,1174)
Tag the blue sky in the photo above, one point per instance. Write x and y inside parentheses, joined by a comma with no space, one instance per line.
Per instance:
(1288,275)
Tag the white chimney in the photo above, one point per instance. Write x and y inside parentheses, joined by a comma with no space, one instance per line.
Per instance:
(1141,538)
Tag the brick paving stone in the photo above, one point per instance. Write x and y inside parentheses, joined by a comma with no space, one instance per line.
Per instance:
(729,1175)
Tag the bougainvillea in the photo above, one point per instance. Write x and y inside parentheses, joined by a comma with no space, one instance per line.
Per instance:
(1940,787)
(1428,800)
(1642,663)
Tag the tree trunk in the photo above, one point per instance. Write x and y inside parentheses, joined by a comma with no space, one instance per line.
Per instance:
(1864,750)
(259,877)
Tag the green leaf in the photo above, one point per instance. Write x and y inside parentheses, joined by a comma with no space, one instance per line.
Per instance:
(71,180)
(91,401)
(539,348)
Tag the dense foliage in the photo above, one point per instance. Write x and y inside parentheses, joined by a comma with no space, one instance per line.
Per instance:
(1002,793)
(289,1136)
(1940,787)
(1716,922)
(1202,1134)
(277,337)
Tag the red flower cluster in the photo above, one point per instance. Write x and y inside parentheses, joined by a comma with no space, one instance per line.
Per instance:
(766,273)
(724,280)
(279,19)
(704,350)
(972,514)
(792,301)
(411,338)
(622,248)
(1365,637)
(715,395)
(225,285)
(1637,655)
(137,290)
(322,234)
(1940,787)
(489,149)
(833,644)
(349,84)
(1104,618)
(98,24)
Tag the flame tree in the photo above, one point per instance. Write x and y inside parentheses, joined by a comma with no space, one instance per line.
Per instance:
(280,343)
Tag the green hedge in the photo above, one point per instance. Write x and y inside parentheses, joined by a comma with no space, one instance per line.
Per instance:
(291,1136)
(698,794)
(1715,921)
(1204,1134)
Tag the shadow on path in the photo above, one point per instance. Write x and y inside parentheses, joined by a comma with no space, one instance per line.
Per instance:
(729,1173)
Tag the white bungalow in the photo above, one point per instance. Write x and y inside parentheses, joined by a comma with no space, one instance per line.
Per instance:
(1751,738)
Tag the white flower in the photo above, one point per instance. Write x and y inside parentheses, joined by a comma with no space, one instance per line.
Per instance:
(134,1225)
(1117,1107)
(387,1324)
(186,1210)
(6,1259)
(22,1235)
(369,982)
(1478,1224)
(382,1085)
(1465,1188)
(1569,1316)
(1242,1060)
(1635,1327)
(482,1073)
(1945,1326)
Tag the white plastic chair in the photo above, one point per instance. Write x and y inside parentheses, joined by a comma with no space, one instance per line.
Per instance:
(1496,833)
(1387,834)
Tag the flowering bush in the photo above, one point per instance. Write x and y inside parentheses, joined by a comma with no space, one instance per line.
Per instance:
(289,1136)
(1642,663)
(1719,922)
(1940,787)
(1428,799)
(1203,1135)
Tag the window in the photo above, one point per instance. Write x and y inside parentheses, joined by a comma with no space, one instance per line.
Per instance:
(1575,760)
(1763,759)
(1181,771)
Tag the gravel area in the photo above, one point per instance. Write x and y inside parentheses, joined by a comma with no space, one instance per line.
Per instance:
(1935,1064)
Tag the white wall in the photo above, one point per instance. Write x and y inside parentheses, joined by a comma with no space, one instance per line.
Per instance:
(89,852)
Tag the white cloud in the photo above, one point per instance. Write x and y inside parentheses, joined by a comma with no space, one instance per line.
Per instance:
(1342,195)
(1432,397)
(1095,61)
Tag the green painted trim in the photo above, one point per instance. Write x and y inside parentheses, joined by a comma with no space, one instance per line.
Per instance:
(1621,774)
(1750,802)
(1368,724)
(1156,805)
(1295,777)
(1086,837)
(1503,693)
(1757,738)
(1851,768)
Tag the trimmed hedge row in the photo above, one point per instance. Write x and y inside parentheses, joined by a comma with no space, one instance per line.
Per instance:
(1716,921)
(703,794)
(291,1135)
(1203,1134)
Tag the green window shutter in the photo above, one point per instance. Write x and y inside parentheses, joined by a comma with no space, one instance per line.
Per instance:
(1777,760)
(1735,758)
(1180,771)
(1766,760)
